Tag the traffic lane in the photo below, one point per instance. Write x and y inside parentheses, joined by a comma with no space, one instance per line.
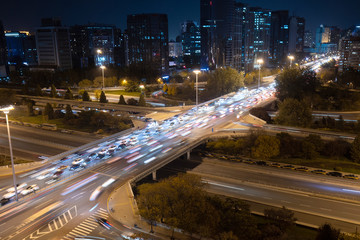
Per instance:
(43,135)
(300,202)
(284,178)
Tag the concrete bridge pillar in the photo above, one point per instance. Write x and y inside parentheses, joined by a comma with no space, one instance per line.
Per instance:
(188,155)
(154,175)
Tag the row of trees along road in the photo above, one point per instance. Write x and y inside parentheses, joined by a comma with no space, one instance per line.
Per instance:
(181,202)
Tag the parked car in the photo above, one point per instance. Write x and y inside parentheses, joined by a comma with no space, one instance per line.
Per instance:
(334,174)
(249,161)
(303,169)
(288,167)
(261,163)
(275,165)
(319,171)
(4,201)
(351,176)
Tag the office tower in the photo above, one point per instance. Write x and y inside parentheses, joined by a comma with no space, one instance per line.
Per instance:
(279,36)
(121,50)
(53,44)
(4,69)
(308,39)
(191,44)
(257,39)
(327,39)
(148,40)
(296,34)
(93,44)
(350,51)
(21,47)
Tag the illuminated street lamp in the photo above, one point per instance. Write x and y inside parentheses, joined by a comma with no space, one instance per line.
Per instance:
(124,82)
(259,62)
(197,88)
(102,69)
(6,111)
(291,59)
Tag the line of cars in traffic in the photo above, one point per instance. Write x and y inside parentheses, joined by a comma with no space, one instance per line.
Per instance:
(22,190)
(288,166)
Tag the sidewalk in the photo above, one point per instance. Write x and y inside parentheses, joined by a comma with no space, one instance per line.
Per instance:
(20,168)
(122,207)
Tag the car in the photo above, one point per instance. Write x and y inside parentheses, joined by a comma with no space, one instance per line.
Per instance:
(334,174)
(275,165)
(19,187)
(64,158)
(9,195)
(30,189)
(249,161)
(77,161)
(351,176)
(57,174)
(4,201)
(77,167)
(261,163)
(224,157)
(319,171)
(61,168)
(288,167)
(103,222)
(303,169)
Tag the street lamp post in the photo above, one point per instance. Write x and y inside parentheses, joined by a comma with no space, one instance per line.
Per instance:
(98,57)
(259,61)
(291,59)
(6,111)
(103,68)
(197,88)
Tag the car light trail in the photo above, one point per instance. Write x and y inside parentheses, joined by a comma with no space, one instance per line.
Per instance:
(79,184)
(129,167)
(149,160)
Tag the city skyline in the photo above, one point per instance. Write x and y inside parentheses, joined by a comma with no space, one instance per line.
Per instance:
(72,13)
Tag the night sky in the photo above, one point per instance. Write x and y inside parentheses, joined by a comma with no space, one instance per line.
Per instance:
(26,15)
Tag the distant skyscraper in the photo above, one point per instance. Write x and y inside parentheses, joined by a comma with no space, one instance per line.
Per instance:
(4,69)
(296,34)
(148,40)
(93,44)
(175,49)
(350,51)
(308,39)
(21,48)
(327,39)
(53,44)
(191,44)
(279,37)
(257,42)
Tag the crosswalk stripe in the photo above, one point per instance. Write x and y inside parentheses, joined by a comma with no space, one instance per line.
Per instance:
(103,210)
(85,225)
(81,230)
(85,229)
(78,232)
(91,223)
(66,237)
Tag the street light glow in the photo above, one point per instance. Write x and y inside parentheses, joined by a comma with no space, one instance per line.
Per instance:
(7,109)
(197,71)
(99,51)
(102,67)
(260,61)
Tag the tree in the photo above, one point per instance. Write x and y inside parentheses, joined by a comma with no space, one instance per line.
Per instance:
(30,106)
(296,83)
(85,83)
(86,97)
(223,81)
(132,86)
(103,98)
(327,232)
(355,149)
(122,100)
(282,218)
(165,87)
(69,94)
(53,92)
(142,100)
(308,149)
(68,113)
(97,93)
(49,111)
(294,113)
(132,101)
(316,141)
(38,91)
(7,97)
(266,147)
(288,145)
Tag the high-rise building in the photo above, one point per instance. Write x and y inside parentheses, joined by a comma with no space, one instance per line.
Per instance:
(148,40)
(21,47)
(4,69)
(93,44)
(175,49)
(350,51)
(327,39)
(296,34)
(191,44)
(257,42)
(53,44)
(279,37)
(308,39)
